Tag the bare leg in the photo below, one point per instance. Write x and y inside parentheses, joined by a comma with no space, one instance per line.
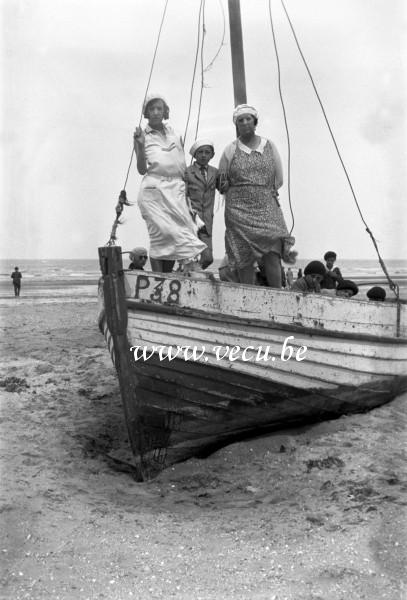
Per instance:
(206,258)
(246,275)
(272,266)
(168,266)
(161,266)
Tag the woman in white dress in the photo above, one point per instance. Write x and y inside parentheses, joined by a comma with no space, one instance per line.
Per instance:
(162,199)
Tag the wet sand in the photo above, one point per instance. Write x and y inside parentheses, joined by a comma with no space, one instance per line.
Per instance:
(317,513)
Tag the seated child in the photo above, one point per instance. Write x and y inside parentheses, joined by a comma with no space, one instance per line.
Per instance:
(226,273)
(311,281)
(376,293)
(346,289)
(201,183)
(138,257)
(332,275)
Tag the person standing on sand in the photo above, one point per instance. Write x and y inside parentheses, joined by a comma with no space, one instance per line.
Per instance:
(16,276)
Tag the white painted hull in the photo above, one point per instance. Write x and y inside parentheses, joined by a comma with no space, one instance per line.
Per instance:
(353,361)
(327,362)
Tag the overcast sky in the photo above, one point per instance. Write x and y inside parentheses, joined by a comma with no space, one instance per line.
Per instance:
(74,74)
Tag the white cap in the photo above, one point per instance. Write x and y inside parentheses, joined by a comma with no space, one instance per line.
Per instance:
(201,142)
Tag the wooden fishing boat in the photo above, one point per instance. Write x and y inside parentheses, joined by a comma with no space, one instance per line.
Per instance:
(201,362)
(243,359)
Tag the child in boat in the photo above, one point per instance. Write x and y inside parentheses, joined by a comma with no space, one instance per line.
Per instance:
(226,273)
(376,294)
(201,183)
(332,275)
(311,281)
(138,257)
(346,289)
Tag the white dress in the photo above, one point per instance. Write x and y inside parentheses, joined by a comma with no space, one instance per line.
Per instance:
(162,199)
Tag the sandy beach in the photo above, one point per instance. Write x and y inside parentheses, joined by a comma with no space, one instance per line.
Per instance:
(317,513)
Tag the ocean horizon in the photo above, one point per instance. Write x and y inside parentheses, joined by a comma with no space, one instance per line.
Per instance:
(77,278)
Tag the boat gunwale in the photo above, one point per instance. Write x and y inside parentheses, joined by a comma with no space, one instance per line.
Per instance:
(150,306)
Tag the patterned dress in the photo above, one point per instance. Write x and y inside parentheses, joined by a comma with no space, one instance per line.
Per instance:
(254,221)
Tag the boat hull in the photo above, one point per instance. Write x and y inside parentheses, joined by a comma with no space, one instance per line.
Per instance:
(216,385)
(191,409)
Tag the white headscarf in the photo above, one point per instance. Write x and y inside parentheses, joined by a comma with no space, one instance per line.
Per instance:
(244,109)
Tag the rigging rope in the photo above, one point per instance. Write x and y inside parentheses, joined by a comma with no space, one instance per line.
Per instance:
(285,119)
(222,42)
(210,64)
(123,201)
(202,70)
(194,71)
(393,286)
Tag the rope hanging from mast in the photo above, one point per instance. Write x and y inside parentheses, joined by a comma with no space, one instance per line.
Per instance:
(393,286)
(201,44)
(202,70)
(198,45)
(285,119)
(123,201)
(222,42)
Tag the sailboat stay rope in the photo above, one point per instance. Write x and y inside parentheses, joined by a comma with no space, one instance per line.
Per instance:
(210,64)
(285,119)
(198,44)
(123,201)
(393,286)
(202,71)
(222,42)
(201,44)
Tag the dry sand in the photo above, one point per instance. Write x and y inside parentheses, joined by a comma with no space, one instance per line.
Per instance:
(311,514)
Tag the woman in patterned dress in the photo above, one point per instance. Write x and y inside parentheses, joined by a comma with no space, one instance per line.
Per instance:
(250,175)
(162,197)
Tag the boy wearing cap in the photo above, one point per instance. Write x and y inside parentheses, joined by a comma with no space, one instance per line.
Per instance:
(311,281)
(201,183)
(346,288)
(376,294)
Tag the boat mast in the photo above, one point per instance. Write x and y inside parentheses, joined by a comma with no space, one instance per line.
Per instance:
(236,47)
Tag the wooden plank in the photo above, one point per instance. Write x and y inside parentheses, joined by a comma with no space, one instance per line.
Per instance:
(116,317)
(211,331)
(320,368)
(205,334)
(310,313)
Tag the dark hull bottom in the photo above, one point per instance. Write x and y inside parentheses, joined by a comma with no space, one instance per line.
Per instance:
(187,409)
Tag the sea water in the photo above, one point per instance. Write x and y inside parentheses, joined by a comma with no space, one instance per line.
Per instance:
(78,278)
